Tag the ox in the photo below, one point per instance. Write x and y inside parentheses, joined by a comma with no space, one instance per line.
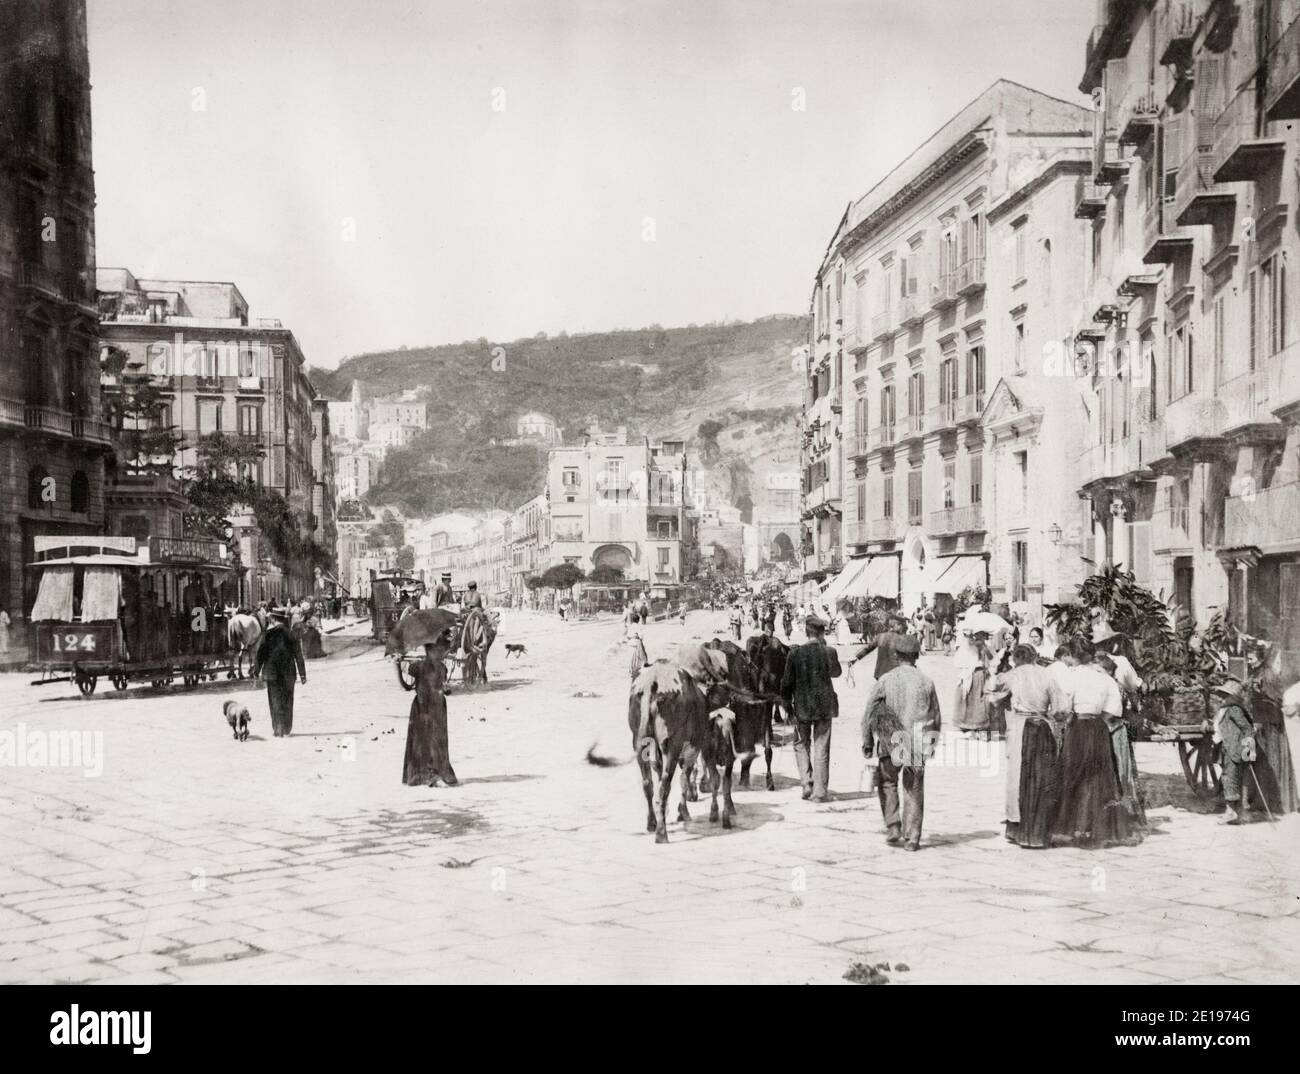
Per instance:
(668,717)
(719,755)
(749,692)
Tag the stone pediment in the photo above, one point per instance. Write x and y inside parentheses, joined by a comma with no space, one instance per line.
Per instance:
(1008,408)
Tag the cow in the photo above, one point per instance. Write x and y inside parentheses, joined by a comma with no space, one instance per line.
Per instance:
(749,693)
(668,717)
(769,654)
(719,755)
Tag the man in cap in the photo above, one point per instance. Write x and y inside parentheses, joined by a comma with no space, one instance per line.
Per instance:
(473,599)
(1234,728)
(899,727)
(810,697)
(279,654)
(442,590)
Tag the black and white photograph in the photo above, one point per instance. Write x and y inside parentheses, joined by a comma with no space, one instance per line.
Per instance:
(647,492)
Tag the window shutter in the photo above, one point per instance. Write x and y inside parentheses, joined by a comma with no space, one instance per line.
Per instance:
(1209,104)
(1172,155)
(1140,534)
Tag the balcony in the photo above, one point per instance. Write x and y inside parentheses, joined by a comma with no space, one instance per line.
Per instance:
(943,292)
(1137,113)
(1284,381)
(913,427)
(954,520)
(884,529)
(968,408)
(858,446)
(1194,426)
(882,325)
(1246,415)
(1282,67)
(1108,163)
(1197,197)
(36,276)
(1089,200)
(819,495)
(1161,241)
(250,384)
(911,311)
(1266,518)
(53,422)
(857,532)
(882,436)
(970,278)
(941,417)
(1243,150)
(1177,31)
(1170,529)
(856,339)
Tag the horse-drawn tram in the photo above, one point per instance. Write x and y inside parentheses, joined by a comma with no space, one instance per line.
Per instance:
(108,608)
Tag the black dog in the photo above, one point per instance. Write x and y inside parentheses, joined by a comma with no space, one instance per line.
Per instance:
(238,718)
(516,648)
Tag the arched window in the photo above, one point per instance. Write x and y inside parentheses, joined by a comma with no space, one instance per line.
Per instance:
(36,478)
(80,493)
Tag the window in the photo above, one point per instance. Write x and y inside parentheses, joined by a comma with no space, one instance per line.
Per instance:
(860,420)
(977,479)
(975,371)
(1022,469)
(862,501)
(80,493)
(209,416)
(949,388)
(950,483)
(664,529)
(665,558)
(1019,569)
(1018,236)
(36,481)
(1218,340)
(914,504)
(1018,345)
(1189,360)
(887,411)
(916,397)
(887,496)
(250,419)
(1267,309)
(247,363)
(569,478)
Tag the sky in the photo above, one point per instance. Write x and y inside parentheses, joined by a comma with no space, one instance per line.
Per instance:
(379,173)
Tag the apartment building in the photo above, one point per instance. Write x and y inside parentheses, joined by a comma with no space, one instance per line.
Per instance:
(323,498)
(54,445)
(917,319)
(524,535)
(219,371)
(1191,464)
(354,473)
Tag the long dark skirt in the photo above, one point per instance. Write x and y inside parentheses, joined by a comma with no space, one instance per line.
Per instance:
(1274,772)
(1130,795)
(1040,783)
(972,712)
(1091,813)
(279,695)
(428,757)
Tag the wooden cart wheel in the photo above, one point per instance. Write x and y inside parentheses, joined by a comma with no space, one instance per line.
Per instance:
(1200,761)
(86,682)
(120,681)
(403,681)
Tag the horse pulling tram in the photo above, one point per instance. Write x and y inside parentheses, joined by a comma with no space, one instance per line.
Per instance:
(108,608)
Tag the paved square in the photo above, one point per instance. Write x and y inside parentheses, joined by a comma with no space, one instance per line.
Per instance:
(195,858)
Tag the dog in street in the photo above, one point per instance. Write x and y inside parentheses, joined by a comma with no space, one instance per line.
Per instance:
(238,718)
(515,648)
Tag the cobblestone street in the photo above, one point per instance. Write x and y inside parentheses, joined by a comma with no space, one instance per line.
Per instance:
(195,858)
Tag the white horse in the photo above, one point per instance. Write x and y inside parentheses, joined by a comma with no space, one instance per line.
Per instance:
(243,633)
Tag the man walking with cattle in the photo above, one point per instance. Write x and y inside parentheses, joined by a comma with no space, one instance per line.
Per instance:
(810,695)
(900,728)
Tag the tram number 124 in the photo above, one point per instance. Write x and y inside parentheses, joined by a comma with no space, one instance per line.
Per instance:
(74,643)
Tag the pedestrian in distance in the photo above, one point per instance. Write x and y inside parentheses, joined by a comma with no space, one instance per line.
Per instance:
(810,697)
(900,727)
(279,655)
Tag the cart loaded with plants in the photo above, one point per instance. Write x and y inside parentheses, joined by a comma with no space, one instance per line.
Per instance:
(1178,664)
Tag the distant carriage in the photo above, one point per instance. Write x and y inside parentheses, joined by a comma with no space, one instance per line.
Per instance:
(107,609)
(385,600)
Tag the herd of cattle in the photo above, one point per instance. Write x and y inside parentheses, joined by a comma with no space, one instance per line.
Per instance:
(709,710)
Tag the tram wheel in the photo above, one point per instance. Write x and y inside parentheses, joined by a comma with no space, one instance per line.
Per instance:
(120,682)
(86,683)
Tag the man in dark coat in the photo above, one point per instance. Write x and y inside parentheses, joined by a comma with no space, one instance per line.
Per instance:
(883,644)
(278,654)
(811,699)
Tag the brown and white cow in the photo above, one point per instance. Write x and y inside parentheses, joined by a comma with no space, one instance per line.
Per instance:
(668,717)
(749,692)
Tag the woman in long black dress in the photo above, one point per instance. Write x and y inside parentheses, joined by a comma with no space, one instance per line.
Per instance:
(428,758)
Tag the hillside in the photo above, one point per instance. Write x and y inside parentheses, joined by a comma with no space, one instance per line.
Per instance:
(657,382)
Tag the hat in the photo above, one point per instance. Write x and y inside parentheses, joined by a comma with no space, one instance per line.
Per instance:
(473,585)
(1228,688)
(814,622)
(908,645)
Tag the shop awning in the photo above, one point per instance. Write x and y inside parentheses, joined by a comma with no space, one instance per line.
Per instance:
(879,578)
(852,569)
(952,574)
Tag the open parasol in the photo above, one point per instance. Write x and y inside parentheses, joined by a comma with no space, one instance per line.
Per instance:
(976,622)
(418,629)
